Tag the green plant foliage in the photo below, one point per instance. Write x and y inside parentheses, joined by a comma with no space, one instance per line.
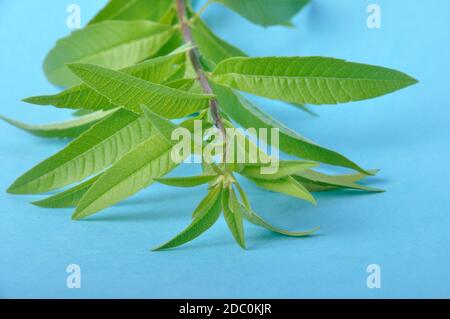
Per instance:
(266,12)
(311,80)
(83,97)
(111,44)
(141,64)
(68,129)
(130,92)
(68,198)
(153,10)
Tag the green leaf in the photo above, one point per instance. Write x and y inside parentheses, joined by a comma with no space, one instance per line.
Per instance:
(67,129)
(304,109)
(68,198)
(163,126)
(254,218)
(134,171)
(287,186)
(111,44)
(131,92)
(79,113)
(285,168)
(133,10)
(249,116)
(310,80)
(316,181)
(208,202)
(93,151)
(266,12)
(190,181)
(210,45)
(257,220)
(201,223)
(83,97)
(233,215)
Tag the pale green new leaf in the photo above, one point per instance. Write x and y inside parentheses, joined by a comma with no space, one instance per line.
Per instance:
(284,169)
(249,116)
(83,97)
(287,186)
(131,92)
(316,181)
(111,44)
(201,223)
(208,202)
(304,109)
(254,218)
(67,198)
(233,215)
(190,181)
(67,129)
(133,10)
(210,45)
(93,151)
(257,220)
(266,12)
(134,171)
(310,80)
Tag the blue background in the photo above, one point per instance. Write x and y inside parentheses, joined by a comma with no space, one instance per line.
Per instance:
(406,134)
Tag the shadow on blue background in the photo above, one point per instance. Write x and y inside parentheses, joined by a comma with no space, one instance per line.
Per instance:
(406,134)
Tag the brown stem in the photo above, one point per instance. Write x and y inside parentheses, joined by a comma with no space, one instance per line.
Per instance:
(194,56)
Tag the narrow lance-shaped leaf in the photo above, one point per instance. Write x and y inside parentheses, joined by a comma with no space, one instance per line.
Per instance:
(210,45)
(201,223)
(83,97)
(287,186)
(133,172)
(136,170)
(257,220)
(283,169)
(67,198)
(310,80)
(67,129)
(93,151)
(304,108)
(254,218)
(315,181)
(111,44)
(233,215)
(131,92)
(249,116)
(133,10)
(190,181)
(214,194)
(266,12)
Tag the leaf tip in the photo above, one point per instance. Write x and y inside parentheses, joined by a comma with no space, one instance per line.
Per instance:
(38,203)
(78,215)
(15,189)
(33,100)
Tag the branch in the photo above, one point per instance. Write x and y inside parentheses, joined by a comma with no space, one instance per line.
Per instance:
(194,56)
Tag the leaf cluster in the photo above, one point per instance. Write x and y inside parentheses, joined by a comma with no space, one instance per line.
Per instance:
(130,72)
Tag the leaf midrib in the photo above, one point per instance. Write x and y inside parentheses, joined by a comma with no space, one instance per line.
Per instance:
(286,77)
